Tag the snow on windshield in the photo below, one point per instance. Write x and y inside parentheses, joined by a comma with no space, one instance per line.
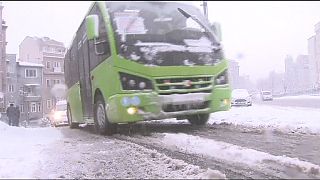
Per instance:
(128,22)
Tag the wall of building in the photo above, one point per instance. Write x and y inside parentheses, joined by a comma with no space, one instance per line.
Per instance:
(3,69)
(12,86)
(28,99)
(29,50)
(45,50)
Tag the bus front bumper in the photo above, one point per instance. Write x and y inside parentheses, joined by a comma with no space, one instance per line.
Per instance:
(125,108)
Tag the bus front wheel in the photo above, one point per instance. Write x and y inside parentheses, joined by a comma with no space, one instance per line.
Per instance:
(72,125)
(198,119)
(101,122)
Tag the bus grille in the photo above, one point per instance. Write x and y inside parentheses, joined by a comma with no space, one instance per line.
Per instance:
(184,85)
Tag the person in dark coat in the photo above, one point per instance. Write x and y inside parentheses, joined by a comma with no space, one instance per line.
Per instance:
(16,116)
(10,113)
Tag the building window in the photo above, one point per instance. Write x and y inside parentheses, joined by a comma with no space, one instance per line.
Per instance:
(56,81)
(33,107)
(48,83)
(48,65)
(21,108)
(31,73)
(39,107)
(60,51)
(49,103)
(10,69)
(10,88)
(56,64)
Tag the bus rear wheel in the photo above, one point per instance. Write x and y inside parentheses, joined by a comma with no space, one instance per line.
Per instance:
(72,125)
(101,122)
(198,119)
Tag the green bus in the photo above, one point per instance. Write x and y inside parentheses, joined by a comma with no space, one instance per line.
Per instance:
(138,61)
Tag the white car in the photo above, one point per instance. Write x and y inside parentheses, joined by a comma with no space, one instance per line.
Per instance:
(58,115)
(266,95)
(241,97)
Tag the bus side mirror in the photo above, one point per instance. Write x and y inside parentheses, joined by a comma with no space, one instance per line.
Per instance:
(216,27)
(92,24)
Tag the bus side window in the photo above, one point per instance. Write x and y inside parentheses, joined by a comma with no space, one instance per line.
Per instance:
(100,48)
(74,64)
(102,43)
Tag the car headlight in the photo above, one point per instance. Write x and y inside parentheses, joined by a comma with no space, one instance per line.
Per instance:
(57,115)
(222,78)
(132,82)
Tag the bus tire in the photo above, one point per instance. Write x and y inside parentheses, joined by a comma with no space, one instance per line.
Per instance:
(72,125)
(198,119)
(101,123)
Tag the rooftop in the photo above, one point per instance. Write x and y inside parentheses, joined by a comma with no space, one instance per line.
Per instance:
(46,41)
(22,63)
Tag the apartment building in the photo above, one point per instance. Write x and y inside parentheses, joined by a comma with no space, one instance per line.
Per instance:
(49,53)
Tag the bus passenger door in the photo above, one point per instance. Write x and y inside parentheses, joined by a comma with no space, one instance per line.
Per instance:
(84,72)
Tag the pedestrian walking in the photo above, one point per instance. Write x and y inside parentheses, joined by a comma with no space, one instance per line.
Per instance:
(16,118)
(10,114)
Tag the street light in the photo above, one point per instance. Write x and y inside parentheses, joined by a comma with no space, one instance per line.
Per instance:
(205,9)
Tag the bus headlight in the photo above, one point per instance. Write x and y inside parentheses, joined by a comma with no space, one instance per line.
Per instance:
(125,102)
(135,100)
(142,85)
(222,78)
(132,82)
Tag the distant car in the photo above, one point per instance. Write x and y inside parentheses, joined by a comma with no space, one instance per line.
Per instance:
(266,96)
(58,115)
(241,97)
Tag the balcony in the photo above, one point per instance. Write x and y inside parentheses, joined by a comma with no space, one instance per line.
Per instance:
(32,98)
(57,69)
(31,92)
(59,55)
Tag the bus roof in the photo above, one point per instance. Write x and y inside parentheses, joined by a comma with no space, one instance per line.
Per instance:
(75,34)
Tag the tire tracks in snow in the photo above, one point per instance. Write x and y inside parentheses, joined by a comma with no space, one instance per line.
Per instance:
(230,170)
(242,136)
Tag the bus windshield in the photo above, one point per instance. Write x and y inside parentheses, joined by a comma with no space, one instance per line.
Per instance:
(157,34)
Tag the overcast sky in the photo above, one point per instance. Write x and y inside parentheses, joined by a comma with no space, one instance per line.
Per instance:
(262,32)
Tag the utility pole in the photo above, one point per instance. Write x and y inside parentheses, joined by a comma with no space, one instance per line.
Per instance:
(205,9)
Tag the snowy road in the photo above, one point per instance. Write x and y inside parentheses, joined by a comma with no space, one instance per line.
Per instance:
(295,101)
(84,155)
(284,155)
(246,142)
(159,150)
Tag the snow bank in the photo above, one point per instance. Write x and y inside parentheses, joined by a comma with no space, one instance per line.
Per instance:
(284,119)
(161,165)
(300,97)
(20,151)
(232,153)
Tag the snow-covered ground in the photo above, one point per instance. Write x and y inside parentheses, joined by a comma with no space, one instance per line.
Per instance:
(284,119)
(232,153)
(300,97)
(20,151)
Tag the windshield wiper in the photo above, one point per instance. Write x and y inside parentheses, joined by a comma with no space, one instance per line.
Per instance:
(209,32)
